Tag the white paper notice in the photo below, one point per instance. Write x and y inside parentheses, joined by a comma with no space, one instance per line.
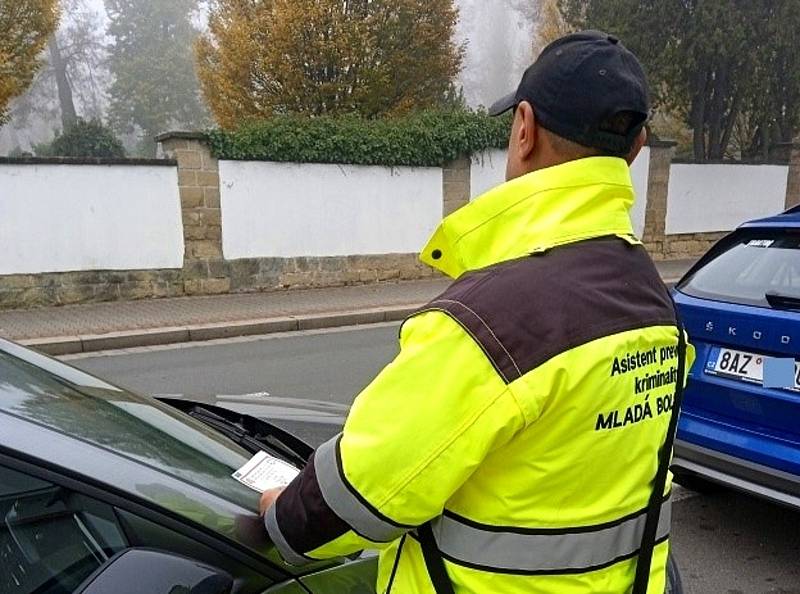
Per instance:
(264,472)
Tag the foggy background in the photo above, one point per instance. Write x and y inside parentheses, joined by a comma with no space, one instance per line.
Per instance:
(498,36)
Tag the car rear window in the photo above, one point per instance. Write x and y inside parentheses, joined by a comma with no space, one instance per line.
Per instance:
(747,267)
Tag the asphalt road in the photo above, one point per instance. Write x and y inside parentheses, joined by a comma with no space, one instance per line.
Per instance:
(325,365)
(726,543)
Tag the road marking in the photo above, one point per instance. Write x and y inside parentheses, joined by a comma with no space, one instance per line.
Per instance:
(225,341)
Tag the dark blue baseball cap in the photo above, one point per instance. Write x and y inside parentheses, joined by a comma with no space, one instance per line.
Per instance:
(576,87)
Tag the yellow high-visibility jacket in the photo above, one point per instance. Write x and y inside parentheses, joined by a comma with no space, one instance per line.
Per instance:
(524,413)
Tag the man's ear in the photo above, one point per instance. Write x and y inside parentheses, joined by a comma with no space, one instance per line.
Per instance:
(526,132)
(637,146)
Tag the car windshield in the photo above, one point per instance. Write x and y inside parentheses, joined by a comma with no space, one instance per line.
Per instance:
(137,427)
(756,265)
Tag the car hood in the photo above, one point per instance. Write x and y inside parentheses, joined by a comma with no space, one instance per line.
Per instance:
(274,408)
(313,421)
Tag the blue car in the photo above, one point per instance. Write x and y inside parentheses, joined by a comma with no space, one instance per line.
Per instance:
(740,424)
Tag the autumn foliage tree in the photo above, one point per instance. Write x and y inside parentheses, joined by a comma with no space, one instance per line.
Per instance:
(552,25)
(25,26)
(315,57)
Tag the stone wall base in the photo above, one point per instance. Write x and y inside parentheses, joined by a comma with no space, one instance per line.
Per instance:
(264,274)
(215,276)
(206,277)
(684,246)
(67,288)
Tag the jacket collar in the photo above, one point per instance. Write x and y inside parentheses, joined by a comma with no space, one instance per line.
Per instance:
(571,202)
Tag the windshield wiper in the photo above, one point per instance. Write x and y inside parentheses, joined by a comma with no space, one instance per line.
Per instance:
(249,432)
(251,442)
(779,301)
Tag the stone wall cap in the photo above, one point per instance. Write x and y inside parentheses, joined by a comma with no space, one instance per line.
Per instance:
(660,143)
(180,135)
(85,161)
(755,163)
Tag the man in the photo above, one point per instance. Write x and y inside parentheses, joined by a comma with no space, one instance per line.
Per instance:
(516,434)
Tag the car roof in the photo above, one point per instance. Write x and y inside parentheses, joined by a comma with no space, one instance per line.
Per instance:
(789,219)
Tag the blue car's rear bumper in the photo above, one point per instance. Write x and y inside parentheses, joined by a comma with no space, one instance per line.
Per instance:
(751,461)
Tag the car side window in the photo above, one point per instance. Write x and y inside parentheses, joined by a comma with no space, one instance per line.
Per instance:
(51,539)
(146,533)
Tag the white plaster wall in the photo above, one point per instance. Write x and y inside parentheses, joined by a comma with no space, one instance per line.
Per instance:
(706,197)
(488,170)
(289,209)
(57,218)
(640,173)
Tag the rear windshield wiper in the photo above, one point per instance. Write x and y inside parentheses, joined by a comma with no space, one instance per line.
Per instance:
(779,301)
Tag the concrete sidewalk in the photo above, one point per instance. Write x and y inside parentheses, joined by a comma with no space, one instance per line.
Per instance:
(127,324)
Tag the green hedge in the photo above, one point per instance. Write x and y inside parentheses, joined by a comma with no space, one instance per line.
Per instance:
(422,139)
(84,139)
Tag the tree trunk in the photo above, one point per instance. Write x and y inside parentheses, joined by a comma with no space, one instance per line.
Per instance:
(697,117)
(755,144)
(68,115)
(730,121)
(715,115)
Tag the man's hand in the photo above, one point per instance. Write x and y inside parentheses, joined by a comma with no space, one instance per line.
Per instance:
(268,498)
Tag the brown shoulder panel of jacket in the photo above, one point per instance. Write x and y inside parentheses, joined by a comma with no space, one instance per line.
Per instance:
(526,311)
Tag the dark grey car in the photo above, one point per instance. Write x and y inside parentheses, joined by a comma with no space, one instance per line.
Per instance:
(102,490)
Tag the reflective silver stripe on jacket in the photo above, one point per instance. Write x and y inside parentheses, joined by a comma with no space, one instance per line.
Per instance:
(279,540)
(344,502)
(545,551)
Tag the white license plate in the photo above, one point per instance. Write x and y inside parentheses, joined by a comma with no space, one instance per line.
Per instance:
(741,365)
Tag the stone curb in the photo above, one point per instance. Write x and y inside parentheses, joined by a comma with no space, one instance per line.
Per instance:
(88,343)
